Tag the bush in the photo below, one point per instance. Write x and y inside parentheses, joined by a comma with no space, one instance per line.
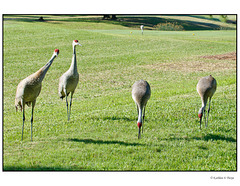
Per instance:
(169,26)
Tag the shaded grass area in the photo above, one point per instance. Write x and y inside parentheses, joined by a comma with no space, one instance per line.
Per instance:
(95,159)
(103,142)
(102,132)
(187,22)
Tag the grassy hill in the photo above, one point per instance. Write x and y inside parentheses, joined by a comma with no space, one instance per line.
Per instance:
(188,22)
(102,132)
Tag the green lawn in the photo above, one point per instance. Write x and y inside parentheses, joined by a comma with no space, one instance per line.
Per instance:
(102,132)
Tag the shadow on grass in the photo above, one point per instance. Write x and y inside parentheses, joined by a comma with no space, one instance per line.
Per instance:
(214,137)
(104,142)
(208,137)
(206,18)
(119,118)
(202,147)
(113,118)
(43,168)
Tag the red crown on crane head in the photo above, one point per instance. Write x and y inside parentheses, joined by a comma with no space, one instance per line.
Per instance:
(56,50)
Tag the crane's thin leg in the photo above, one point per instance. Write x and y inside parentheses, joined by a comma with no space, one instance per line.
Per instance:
(67,107)
(204,115)
(65,91)
(208,110)
(70,105)
(33,105)
(23,106)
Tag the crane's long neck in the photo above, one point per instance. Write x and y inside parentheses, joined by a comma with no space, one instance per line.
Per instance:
(140,115)
(73,66)
(42,72)
(204,103)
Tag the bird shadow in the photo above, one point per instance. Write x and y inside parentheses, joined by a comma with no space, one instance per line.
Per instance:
(214,137)
(92,141)
(113,118)
(208,137)
(118,118)
(43,168)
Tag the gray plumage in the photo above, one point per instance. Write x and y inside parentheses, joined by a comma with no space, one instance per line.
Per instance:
(141,93)
(206,87)
(29,89)
(69,80)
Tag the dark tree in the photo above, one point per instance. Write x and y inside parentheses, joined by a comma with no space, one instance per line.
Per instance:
(107,16)
(41,19)
(114,17)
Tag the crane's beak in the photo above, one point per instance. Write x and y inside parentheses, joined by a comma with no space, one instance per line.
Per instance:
(200,122)
(200,117)
(79,44)
(139,133)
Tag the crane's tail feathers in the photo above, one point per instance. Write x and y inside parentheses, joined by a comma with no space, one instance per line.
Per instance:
(62,97)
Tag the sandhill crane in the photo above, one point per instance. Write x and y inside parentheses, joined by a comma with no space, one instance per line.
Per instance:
(206,88)
(141,27)
(29,89)
(141,93)
(69,80)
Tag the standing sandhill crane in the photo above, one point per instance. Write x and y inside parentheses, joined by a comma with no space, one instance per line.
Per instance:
(141,27)
(69,80)
(141,93)
(29,89)
(206,88)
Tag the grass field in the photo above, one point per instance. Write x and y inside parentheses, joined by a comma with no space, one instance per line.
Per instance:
(102,131)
